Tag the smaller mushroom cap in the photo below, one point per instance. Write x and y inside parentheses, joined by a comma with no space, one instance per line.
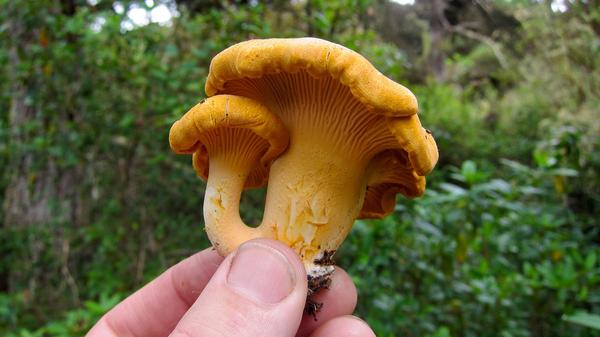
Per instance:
(394,171)
(212,116)
(389,173)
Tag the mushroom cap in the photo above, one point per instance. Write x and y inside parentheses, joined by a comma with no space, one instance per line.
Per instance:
(255,58)
(403,172)
(228,112)
(389,173)
(380,96)
(418,143)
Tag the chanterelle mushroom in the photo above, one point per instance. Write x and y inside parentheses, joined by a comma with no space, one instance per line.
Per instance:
(352,131)
(233,139)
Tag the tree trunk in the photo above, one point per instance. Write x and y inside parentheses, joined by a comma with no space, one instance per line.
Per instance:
(41,196)
(437,31)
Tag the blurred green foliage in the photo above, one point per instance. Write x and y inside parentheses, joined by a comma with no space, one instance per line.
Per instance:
(504,242)
(497,257)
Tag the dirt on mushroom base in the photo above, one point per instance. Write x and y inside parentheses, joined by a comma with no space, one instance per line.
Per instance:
(319,278)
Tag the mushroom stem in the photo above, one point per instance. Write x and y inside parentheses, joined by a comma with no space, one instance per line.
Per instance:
(223,223)
(312,200)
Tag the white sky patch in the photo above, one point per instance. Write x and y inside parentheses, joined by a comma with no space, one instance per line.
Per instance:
(559,5)
(404,2)
(118,7)
(161,14)
(140,16)
(98,23)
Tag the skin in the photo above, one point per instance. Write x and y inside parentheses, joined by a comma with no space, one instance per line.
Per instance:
(207,295)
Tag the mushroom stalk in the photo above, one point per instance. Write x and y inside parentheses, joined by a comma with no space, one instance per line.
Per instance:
(316,188)
(222,204)
(312,200)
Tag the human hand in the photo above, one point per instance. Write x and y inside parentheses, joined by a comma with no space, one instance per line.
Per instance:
(259,290)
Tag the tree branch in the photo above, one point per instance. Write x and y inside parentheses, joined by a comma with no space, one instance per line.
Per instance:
(458,29)
(494,46)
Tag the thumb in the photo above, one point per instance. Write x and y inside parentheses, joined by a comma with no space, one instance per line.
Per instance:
(259,290)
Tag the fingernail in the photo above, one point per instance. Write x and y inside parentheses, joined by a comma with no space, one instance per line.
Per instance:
(261,273)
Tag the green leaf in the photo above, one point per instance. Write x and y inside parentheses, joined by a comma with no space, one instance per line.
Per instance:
(441,332)
(590,261)
(584,318)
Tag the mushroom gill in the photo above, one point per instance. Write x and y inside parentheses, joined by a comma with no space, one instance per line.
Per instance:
(316,188)
(388,174)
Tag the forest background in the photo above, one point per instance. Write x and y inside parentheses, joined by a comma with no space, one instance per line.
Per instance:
(505,241)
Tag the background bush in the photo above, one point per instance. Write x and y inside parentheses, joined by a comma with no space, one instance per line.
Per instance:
(504,242)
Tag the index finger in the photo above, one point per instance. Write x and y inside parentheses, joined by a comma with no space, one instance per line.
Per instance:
(154,310)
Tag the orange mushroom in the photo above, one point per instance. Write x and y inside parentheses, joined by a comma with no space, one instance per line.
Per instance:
(233,140)
(352,133)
